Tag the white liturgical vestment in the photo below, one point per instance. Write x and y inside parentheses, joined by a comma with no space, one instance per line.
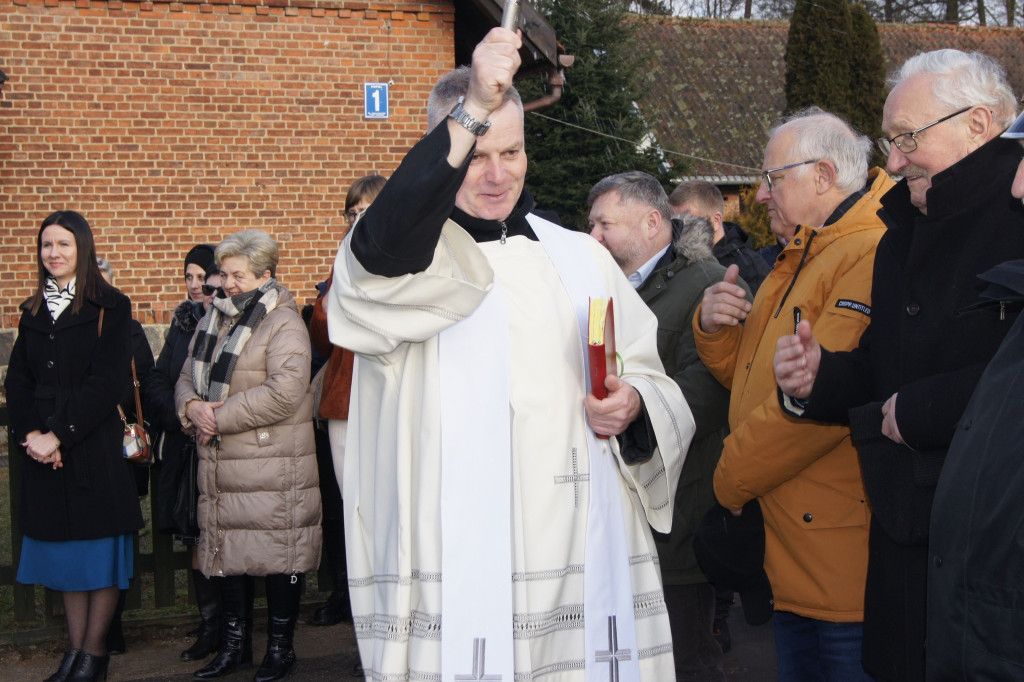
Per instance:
(393,473)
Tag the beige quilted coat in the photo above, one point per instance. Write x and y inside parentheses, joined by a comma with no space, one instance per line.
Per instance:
(259,495)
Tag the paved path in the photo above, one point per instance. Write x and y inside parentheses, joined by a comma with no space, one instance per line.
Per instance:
(324,654)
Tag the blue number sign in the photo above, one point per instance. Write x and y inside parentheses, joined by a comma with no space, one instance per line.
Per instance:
(375,100)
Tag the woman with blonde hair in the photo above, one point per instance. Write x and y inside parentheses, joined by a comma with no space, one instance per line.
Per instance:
(245,391)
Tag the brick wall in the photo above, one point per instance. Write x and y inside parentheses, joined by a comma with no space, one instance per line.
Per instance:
(171,123)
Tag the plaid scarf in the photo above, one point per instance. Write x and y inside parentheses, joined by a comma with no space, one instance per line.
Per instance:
(212,366)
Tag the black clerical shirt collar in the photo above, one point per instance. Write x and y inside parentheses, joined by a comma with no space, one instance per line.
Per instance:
(490,230)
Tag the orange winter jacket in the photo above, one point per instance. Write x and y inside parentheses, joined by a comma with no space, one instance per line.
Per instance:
(805,473)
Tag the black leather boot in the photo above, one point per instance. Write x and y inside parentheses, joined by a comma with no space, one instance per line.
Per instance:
(90,668)
(208,639)
(337,608)
(236,647)
(66,668)
(283,594)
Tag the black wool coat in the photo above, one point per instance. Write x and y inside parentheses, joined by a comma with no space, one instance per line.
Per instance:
(929,342)
(163,416)
(66,378)
(975,580)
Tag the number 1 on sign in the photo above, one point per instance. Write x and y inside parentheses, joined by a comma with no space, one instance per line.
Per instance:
(375,100)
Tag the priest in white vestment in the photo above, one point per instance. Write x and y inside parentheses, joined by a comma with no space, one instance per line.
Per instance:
(492,534)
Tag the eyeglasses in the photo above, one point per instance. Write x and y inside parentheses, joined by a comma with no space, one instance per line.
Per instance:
(351,215)
(907,142)
(766,176)
(209,290)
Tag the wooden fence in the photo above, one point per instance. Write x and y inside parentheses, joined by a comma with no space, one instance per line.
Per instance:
(163,562)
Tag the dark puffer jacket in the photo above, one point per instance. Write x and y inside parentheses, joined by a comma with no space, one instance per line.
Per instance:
(975,588)
(736,248)
(161,414)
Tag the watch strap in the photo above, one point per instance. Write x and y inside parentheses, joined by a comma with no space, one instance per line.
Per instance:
(467,120)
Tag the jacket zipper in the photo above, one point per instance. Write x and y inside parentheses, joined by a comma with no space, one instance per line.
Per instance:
(799,267)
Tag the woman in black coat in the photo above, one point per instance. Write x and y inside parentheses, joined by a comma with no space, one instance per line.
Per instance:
(176,447)
(64,381)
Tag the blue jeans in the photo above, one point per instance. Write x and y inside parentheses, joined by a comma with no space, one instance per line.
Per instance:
(811,650)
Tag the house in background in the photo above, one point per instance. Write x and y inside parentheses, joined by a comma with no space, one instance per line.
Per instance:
(718,86)
(168,123)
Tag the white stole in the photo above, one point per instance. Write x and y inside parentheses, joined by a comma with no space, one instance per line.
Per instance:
(610,627)
(477,608)
(476,495)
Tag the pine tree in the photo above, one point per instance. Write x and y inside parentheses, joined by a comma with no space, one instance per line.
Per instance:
(867,74)
(818,56)
(601,88)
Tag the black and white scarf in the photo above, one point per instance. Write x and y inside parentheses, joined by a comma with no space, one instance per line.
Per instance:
(212,365)
(58,299)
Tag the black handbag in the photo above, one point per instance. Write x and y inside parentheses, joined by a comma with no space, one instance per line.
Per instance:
(185,514)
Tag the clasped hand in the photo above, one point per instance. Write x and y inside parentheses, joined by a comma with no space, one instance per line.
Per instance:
(43,448)
(201,414)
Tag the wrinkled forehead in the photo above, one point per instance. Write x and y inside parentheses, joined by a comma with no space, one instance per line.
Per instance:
(911,104)
(506,131)
(779,148)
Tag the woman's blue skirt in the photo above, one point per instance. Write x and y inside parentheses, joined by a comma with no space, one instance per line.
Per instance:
(77,565)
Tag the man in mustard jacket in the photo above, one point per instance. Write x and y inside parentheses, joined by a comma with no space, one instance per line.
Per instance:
(823,202)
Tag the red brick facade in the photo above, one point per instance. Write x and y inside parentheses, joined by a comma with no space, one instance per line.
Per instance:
(171,123)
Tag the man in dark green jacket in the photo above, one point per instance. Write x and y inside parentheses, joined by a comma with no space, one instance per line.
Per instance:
(670,263)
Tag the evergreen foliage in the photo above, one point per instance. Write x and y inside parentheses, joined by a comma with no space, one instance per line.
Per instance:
(753,218)
(600,91)
(818,56)
(867,74)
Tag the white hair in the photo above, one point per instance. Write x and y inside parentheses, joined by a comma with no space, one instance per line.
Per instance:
(818,134)
(964,79)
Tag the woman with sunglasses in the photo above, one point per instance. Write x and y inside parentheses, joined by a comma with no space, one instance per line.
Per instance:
(176,447)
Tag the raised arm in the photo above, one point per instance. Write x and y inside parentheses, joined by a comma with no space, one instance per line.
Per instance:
(397,234)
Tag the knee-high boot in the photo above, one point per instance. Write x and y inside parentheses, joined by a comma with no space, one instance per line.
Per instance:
(283,594)
(337,608)
(208,638)
(236,649)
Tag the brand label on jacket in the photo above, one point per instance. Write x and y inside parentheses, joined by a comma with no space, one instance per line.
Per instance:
(854,305)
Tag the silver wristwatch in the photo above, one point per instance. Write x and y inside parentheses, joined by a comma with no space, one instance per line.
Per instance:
(467,121)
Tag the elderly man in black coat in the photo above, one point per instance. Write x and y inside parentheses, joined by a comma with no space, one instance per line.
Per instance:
(904,389)
(976,577)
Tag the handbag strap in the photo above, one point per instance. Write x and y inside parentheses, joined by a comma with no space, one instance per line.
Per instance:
(138,399)
(135,383)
